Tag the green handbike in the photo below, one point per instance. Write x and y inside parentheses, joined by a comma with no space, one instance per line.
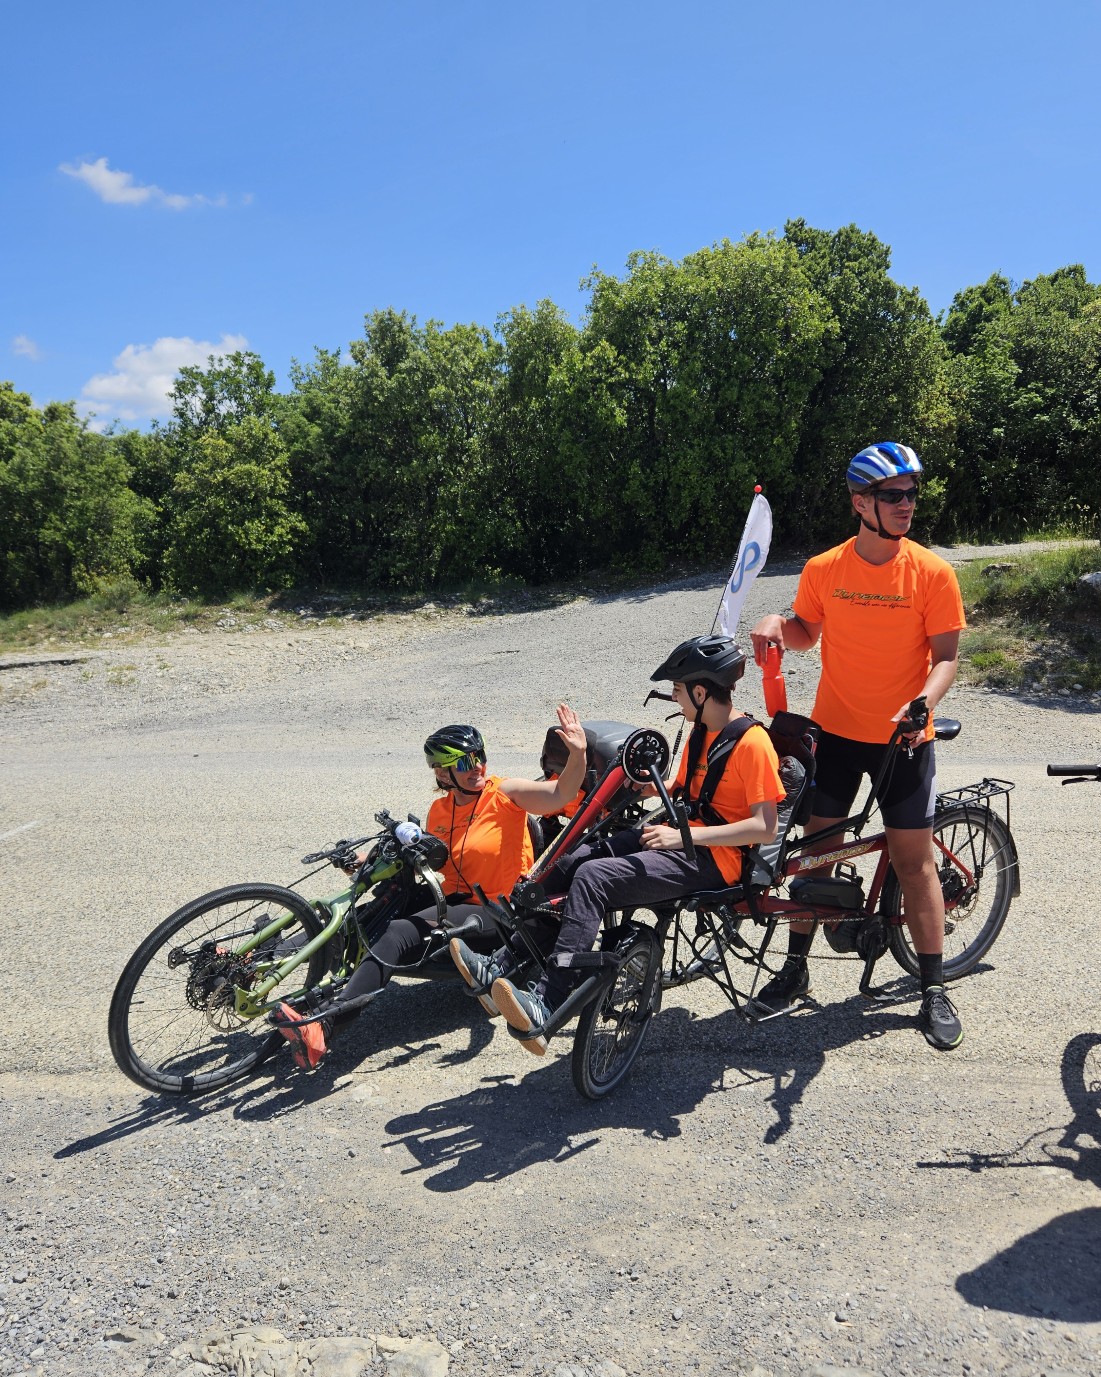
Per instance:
(191,1010)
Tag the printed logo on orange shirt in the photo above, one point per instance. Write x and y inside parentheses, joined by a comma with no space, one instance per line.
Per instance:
(893,600)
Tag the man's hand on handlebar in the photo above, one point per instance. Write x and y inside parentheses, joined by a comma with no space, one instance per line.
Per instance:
(913,717)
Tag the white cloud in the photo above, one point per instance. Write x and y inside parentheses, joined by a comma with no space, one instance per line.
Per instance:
(26,348)
(120,189)
(144,374)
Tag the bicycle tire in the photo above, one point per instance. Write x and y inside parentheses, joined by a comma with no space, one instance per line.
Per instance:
(172,1024)
(975,911)
(612,1029)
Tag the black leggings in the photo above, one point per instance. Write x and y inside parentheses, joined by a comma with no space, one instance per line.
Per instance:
(400,945)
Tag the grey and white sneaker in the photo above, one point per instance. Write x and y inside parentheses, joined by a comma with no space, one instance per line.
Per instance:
(478,971)
(939,1021)
(524,1012)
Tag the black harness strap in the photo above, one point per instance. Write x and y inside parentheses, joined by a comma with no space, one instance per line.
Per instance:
(700,807)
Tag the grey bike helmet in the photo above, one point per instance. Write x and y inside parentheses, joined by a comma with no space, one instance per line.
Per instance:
(713,660)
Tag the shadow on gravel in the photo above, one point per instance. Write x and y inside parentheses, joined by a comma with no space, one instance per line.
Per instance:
(1075,1147)
(1055,1271)
(422,1011)
(507,1125)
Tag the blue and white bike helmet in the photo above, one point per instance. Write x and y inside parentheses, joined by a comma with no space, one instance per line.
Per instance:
(879,462)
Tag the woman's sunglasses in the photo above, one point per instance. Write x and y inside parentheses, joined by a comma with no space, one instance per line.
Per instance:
(465,764)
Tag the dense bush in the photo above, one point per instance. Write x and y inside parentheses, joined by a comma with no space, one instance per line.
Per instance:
(427,456)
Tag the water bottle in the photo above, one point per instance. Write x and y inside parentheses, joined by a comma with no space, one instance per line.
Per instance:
(776,693)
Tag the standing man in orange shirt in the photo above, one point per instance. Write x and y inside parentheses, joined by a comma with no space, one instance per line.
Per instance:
(889,615)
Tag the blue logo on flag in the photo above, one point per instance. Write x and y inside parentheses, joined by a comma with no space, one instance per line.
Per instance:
(751,557)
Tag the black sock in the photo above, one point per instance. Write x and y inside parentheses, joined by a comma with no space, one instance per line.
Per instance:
(799,945)
(931,969)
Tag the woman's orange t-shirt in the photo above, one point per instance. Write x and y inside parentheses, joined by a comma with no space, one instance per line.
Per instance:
(876,623)
(751,776)
(488,843)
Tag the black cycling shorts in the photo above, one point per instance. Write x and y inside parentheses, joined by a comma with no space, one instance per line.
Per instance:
(909,798)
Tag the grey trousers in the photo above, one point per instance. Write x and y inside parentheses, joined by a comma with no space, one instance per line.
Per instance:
(611,874)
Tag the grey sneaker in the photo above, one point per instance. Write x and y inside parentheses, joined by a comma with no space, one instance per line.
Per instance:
(524,1010)
(788,985)
(478,971)
(939,1021)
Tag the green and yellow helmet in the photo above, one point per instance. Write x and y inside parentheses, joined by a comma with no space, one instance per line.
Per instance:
(457,747)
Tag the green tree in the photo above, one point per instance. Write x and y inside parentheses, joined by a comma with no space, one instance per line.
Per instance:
(221,395)
(1025,388)
(714,361)
(230,524)
(71,521)
(881,371)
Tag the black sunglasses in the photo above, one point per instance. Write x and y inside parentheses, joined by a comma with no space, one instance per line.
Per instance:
(893,496)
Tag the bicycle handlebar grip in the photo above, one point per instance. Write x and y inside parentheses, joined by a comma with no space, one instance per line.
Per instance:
(918,714)
(1088,770)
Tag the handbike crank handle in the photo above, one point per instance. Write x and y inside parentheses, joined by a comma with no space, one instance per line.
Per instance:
(677,813)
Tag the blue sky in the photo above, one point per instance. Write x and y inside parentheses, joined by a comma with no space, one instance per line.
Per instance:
(179,179)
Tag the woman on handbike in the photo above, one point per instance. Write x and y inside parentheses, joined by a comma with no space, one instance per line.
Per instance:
(482,819)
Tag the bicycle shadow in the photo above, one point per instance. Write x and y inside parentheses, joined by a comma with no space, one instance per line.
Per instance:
(1054,1271)
(506,1125)
(424,1011)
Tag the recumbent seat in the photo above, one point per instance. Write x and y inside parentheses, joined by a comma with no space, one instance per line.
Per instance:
(794,738)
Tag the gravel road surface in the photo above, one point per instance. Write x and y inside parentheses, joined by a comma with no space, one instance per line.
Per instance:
(821,1194)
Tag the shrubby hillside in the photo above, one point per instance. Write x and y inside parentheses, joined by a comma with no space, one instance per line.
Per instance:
(423,456)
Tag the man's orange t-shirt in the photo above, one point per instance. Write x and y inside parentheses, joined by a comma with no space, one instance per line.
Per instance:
(488,843)
(751,776)
(876,623)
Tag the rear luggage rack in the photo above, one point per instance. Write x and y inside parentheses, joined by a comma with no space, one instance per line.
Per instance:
(974,794)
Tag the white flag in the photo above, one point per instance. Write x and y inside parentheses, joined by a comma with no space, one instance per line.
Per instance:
(752,553)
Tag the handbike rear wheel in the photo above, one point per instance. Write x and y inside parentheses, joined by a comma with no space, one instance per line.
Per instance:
(173,1023)
(611,1030)
(976,868)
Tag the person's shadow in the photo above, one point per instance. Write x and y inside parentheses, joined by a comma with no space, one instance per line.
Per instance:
(1056,1269)
(507,1124)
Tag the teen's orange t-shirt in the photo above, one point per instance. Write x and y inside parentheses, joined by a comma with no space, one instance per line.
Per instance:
(751,776)
(876,623)
(488,843)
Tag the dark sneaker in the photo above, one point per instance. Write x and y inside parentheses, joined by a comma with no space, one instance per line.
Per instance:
(788,985)
(478,971)
(938,1020)
(524,1011)
(307,1040)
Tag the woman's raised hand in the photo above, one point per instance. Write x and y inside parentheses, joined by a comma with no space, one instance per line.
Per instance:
(570,729)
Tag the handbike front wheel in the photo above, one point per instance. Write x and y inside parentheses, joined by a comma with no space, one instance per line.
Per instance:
(174,1024)
(611,1029)
(975,860)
